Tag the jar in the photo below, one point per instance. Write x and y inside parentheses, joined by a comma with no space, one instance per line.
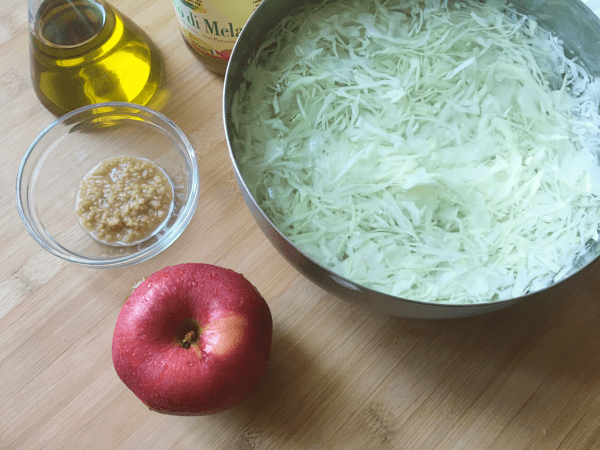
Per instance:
(211,27)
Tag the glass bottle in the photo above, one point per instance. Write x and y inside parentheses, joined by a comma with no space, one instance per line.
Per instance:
(211,27)
(85,51)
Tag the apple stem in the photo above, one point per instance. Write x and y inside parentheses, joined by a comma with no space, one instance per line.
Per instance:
(187,340)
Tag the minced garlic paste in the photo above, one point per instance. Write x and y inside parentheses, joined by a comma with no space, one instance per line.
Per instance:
(124,200)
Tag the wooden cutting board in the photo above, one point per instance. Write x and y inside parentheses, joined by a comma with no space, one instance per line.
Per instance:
(341,377)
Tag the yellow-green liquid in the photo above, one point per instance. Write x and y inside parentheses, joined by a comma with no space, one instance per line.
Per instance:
(83,52)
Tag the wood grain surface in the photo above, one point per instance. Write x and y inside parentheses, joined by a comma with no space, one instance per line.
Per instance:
(340,377)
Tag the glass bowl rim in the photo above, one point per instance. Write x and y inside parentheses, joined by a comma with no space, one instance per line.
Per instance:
(185,215)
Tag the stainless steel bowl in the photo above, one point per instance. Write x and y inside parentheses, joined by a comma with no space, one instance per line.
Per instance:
(570,19)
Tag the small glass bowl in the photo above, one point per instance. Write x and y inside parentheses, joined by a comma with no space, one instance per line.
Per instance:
(57,160)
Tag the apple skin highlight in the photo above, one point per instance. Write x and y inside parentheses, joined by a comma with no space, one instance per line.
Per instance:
(193,339)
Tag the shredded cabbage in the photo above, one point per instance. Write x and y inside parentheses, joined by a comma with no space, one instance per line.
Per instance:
(432,151)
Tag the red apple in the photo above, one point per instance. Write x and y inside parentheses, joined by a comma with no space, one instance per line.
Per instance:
(193,339)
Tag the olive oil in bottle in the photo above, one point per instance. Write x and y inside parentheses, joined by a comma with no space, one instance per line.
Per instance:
(84,52)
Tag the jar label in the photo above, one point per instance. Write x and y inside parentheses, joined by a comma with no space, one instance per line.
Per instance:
(212,26)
